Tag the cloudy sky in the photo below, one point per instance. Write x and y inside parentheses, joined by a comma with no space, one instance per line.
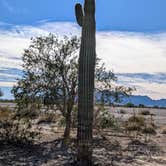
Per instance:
(131,38)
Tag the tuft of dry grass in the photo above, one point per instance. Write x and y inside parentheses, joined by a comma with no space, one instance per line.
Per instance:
(145,112)
(122,111)
(47,118)
(5,113)
(163,130)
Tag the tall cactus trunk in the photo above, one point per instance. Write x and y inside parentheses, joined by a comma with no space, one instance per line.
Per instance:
(87,58)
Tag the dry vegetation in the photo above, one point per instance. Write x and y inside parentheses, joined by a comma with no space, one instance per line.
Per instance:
(122,137)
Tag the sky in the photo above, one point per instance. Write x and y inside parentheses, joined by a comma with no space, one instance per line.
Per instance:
(131,38)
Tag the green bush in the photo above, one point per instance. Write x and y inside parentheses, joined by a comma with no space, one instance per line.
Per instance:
(122,111)
(30,112)
(130,105)
(106,120)
(145,112)
(62,122)
(139,125)
(149,130)
(134,125)
(141,106)
(5,113)
(15,130)
(47,118)
(12,131)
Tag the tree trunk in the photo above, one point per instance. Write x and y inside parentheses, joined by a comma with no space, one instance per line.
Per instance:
(68,126)
(70,104)
(87,60)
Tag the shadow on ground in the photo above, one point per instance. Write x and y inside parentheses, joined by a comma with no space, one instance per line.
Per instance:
(55,154)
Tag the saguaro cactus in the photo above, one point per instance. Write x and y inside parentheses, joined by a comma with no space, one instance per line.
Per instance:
(86,19)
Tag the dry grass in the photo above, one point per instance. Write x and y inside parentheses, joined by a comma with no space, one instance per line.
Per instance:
(163,130)
(48,118)
(145,112)
(5,113)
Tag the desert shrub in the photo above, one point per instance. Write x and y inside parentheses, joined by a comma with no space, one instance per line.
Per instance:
(27,114)
(5,113)
(122,111)
(12,131)
(47,118)
(139,125)
(74,117)
(30,112)
(148,130)
(145,112)
(137,119)
(156,106)
(106,120)
(62,122)
(130,105)
(15,130)
(141,106)
(163,131)
(134,125)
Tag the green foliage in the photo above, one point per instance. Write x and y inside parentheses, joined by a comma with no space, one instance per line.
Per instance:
(130,105)
(30,112)
(141,106)
(104,79)
(105,120)
(50,72)
(15,130)
(74,118)
(122,111)
(149,130)
(51,76)
(1,94)
(156,106)
(47,118)
(145,112)
(62,122)
(5,113)
(135,123)
(140,125)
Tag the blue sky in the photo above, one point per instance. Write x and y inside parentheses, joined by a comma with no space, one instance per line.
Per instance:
(131,38)
(128,15)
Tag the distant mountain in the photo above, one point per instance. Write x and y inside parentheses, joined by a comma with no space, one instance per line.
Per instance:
(145,100)
(136,100)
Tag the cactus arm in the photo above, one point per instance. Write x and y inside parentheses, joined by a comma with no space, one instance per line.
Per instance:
(79,14)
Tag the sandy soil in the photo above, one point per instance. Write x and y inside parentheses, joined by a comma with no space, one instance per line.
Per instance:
(111,147)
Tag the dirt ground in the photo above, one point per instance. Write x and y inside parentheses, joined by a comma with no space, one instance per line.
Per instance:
(111,147)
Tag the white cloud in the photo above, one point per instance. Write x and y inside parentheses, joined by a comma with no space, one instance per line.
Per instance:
(11,49)
(124,52)
(154,90)
(133,52)
(145,85)
(7,84)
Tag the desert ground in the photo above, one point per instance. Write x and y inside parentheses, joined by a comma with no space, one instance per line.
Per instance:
(112,147)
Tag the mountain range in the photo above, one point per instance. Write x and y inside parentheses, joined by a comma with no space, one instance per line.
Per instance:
(145,100)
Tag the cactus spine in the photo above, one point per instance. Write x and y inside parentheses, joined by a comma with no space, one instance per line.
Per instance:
(86,19)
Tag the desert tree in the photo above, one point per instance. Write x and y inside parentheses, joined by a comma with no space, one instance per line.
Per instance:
(50,75)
